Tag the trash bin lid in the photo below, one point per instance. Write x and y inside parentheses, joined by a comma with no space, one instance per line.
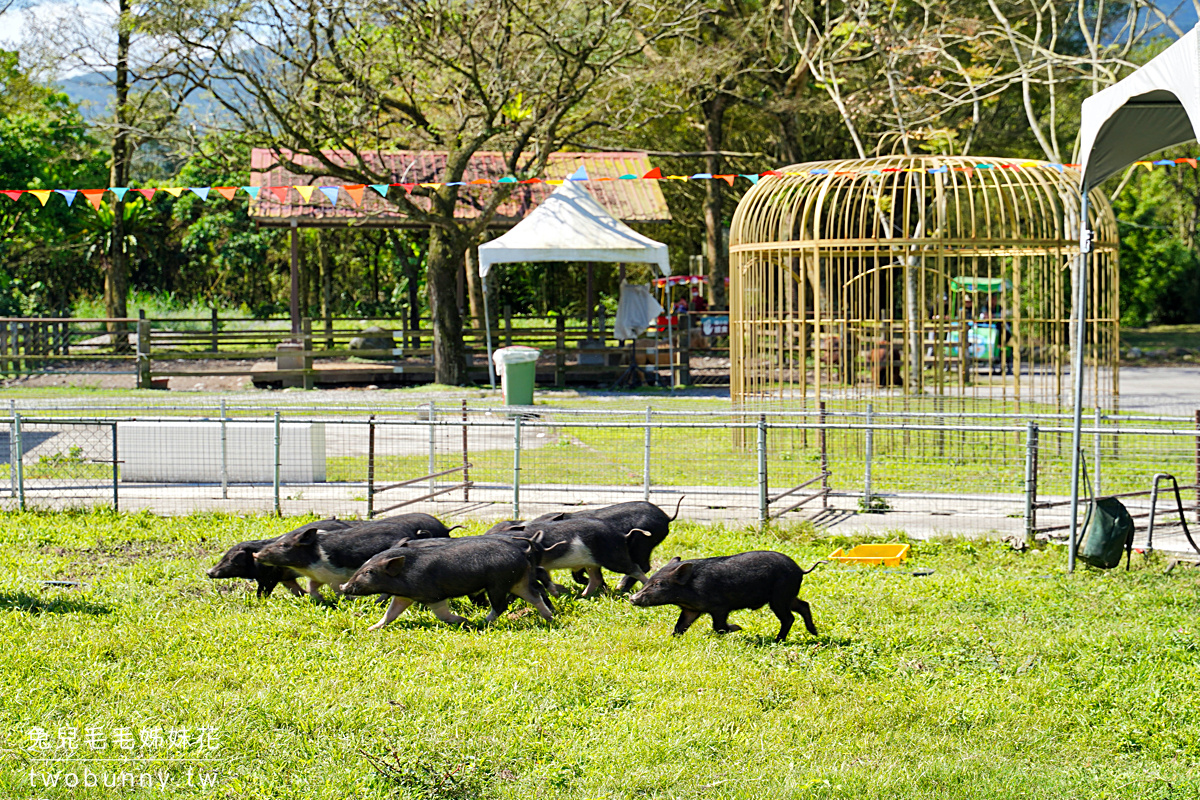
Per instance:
(517,354)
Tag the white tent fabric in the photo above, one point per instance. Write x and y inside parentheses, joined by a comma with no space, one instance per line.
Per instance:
(1155,107)
(570,225)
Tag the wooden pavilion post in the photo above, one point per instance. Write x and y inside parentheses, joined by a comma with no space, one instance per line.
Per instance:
(295,275)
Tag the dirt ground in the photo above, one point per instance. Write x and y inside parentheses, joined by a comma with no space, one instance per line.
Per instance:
(120,375)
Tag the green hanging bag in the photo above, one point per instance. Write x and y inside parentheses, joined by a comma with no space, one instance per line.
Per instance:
(1108,533)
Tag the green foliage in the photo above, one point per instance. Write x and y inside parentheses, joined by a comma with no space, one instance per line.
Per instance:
(996,677)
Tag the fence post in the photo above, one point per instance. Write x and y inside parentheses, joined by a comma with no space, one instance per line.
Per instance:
(560,352)
(646,456)
(762,470)
(143,350)
(214,329)
(516,503)
(1031,438)
(12,443)
(824,455)
(1096,452)
(1197,464)
(466,452)
(870,453)
(116,470)
(15,337)
(507,325)
(432,445)
(275,477)
(224,454)
(307,359)
(685,351)
(371,467)
(19,461)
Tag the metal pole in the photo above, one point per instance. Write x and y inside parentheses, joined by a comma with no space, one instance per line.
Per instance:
(278,510)
(487,327)
(432,446)
(224,456)
(12,443)
(870,447)
(116,475)
(1080,312)
(19,460)
(1030,479)
(646,458)
(371,467)
(670,347)
(824,455)
(466,462)
(762,470)
(1197,464)
(1096,456)
(516,503)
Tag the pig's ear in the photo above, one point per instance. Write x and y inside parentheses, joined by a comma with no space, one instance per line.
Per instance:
(682,574)
(307,536)
(402,542)
(559,516)
(537,537)
(395,565)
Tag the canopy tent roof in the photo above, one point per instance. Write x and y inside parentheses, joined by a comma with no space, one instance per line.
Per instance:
(1155,107)
(570,225)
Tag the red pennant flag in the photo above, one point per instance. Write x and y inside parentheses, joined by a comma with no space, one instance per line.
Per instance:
(355,190)
(147,193)
(770,173)
(653,175)
(533,180)
(408,187)
(226,191)
(94,196)
(13,194)
(280,192)
(727,178)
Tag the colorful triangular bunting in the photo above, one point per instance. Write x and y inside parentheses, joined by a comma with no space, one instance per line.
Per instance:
(355,190)
(174,191)
(119,191)
(579,174)
(94,196)
(251,190)
(226,191)
(41,194)
(69,194)
(381,188)
(200,191)
(280,192)
(331,192)
(147,193)
(305,192)
(13,194)
(653,175)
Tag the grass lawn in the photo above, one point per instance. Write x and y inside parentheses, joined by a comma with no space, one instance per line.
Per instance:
(997,676)
(1161,337)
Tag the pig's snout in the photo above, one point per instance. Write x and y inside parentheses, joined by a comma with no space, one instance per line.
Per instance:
(638,599)
(211,572)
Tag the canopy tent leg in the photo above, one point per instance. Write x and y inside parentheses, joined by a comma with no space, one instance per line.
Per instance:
(487,327)
(295,275)
(1085,247)
(591,282)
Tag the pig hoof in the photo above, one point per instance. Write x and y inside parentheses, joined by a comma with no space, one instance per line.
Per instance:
(376,626)
(730,629)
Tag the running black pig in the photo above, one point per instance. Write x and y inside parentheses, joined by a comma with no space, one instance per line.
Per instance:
(716,586)
(239,561)
(589,545)
(333,556)
(432,575)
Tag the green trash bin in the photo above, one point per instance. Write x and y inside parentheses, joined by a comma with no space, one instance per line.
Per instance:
(517,367)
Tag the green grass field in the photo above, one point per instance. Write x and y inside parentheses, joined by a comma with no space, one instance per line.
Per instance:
(997,676)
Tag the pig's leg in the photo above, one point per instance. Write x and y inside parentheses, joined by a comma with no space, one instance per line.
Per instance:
(395,609)
(293,587)
(314,590)
(805,612)
(634,575)
(579,576)
(595,582)
(441,610)
(529,594)
(498,597)
(786,620)
(686,618)
(721,622)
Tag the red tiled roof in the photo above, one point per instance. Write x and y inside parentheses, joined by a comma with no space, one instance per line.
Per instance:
(630,201)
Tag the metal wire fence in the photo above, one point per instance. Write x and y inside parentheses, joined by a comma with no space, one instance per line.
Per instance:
(918,471)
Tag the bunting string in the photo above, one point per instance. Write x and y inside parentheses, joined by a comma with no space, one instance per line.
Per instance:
(356,192)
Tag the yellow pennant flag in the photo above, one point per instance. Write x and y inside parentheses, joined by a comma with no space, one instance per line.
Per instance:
(555,182)
(175,191)
(41,194)
(431,185)
(305,191)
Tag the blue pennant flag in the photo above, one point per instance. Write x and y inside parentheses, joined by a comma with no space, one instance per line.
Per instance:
(69,194)
(701,176)
(331,192)
(753,178)
(200,191)
(579,175)
(119,191)
(507,179)
(251,190)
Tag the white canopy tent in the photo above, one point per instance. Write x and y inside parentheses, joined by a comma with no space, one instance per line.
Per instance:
(569,225)
(1155,107)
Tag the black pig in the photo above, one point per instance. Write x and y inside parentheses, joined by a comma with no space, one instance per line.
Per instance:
(719,585)
(332,556)
(239,561)
(587,544)
(433,574)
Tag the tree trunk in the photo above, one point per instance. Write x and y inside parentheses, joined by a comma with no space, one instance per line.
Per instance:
(475,287)
(326,286)
(446,254)
(116,276)
(718,258)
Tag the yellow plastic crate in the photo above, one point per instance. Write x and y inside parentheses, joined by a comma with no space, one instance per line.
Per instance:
(888,555)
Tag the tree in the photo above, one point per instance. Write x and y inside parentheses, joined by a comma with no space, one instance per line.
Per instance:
(452,76)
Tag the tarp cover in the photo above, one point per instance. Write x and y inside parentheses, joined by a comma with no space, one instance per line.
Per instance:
(570,225)
(1155,107)
(636,310)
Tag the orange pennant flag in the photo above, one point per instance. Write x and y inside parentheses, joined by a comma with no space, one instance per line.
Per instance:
(94,196)
(727,178)
(355,190)
(41,194)
(305,192)
(1191,162)
(653,175)
(226,191)
(280,192)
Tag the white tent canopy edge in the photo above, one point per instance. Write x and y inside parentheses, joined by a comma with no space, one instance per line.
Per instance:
(569,225)
(1155,107)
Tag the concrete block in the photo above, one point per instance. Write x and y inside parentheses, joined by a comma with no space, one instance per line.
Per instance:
(190,452)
